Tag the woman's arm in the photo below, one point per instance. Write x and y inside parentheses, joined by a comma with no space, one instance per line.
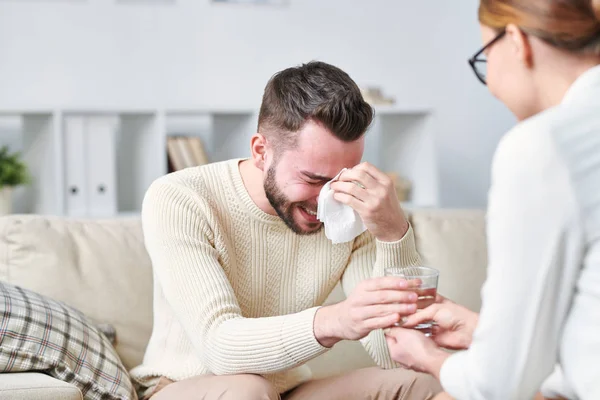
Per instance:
(535,247)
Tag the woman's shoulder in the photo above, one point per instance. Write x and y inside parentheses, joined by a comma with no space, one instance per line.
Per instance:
(559,135)
(539,127)
(530,142)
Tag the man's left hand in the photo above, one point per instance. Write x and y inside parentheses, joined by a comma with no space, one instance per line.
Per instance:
(372,195)
(414,350)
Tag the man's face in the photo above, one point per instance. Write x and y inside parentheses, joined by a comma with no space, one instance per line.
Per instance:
(293,182)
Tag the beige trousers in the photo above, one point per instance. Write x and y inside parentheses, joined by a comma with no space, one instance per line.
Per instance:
(362,384)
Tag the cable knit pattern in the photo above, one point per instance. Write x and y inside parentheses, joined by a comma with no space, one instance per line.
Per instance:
(235,290)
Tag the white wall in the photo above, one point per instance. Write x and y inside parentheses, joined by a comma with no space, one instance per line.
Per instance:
(99,53)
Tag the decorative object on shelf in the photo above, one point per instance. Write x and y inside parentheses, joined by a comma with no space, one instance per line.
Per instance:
(403,186)
(374,96)
(185,151)
(13,172)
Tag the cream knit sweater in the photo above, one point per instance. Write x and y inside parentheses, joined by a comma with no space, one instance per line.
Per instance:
(235,290)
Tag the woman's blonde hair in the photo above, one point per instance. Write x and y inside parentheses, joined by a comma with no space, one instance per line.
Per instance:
(572,25)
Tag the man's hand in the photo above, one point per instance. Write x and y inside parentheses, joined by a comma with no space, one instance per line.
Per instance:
(454,324)
(374,304)
(372,195)
(414,350)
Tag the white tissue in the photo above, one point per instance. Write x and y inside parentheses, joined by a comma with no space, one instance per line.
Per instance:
(342,223)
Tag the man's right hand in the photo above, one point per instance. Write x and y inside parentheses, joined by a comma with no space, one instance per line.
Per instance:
(454,323)
(374,304)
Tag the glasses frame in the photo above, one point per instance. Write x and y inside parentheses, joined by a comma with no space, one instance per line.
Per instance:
(473,60)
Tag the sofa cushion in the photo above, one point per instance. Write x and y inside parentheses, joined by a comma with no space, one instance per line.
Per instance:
(36,386)
(99,266)
(68,259)
(41,334)
(454,242)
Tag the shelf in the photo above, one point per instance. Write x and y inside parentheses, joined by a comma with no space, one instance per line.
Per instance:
(33,134)
(132,214)
(107,111)
(235,109)
(400,110)
(213,111)
(18,112)
(141,157)
(399,140)
(403,143)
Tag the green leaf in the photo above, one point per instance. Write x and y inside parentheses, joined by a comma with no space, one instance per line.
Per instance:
(13,171)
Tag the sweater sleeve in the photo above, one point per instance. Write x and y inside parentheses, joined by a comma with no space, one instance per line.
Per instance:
(370,257)
(185,262)
(534,243)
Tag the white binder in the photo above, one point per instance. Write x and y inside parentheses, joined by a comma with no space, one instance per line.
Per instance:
(90,166)
(75,167)
(101,164)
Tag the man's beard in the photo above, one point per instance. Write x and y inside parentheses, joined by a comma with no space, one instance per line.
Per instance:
(282,206)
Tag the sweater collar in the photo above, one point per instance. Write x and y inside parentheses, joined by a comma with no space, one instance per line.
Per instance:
(244,196)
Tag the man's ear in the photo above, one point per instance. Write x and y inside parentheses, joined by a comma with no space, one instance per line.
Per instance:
(258,147)
(521,44)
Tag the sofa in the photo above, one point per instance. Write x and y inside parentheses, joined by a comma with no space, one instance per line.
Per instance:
(100,266)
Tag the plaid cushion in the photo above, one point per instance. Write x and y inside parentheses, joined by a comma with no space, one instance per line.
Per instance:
(41,334)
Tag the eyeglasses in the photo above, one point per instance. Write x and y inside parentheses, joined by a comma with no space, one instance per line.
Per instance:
(479,61)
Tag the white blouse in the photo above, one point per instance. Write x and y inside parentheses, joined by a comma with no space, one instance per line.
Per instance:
(539,325)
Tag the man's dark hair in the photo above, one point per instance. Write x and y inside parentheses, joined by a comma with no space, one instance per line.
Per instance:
(314,91)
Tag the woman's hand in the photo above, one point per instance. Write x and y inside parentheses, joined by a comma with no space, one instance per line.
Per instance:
(454,324)
(415,351)
(412,349)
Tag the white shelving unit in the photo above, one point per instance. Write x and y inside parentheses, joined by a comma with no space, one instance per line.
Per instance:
(140,157)
(35,133)
(400,140)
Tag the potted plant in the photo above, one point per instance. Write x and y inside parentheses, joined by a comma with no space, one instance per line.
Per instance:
(13,172)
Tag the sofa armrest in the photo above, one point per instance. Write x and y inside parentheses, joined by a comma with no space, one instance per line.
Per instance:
(36,386)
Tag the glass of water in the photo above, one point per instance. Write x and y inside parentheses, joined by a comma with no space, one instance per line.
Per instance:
(426,291)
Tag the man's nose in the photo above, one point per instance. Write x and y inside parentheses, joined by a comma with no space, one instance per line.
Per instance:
(316,196)
(318,192)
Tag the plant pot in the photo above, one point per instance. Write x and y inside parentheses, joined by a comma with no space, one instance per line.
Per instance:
(6,200)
